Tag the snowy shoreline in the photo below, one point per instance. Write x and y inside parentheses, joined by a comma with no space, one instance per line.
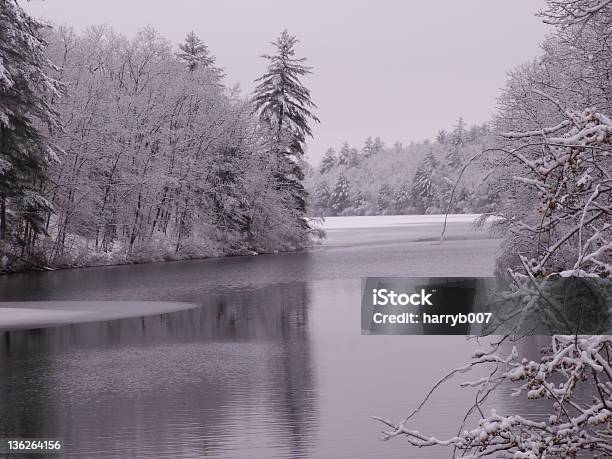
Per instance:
(329,224)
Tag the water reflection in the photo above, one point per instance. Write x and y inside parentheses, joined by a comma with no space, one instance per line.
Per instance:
(272,365)
(185,381)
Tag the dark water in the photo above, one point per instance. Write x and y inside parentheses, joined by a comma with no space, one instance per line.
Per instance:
(273,363)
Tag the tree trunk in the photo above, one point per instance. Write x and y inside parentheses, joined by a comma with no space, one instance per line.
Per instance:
(2,218)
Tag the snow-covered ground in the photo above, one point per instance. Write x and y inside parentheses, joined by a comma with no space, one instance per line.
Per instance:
(379,221)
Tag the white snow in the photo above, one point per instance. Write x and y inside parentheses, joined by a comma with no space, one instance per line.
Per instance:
(379,221)
(40,314)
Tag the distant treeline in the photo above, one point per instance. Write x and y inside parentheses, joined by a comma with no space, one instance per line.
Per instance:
(414,179)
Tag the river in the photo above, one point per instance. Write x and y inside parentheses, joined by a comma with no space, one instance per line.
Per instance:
(271,364)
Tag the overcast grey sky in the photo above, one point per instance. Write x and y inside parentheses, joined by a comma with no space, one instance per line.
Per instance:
(401,70)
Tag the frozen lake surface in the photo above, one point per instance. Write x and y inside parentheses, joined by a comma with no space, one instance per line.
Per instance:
(272,363)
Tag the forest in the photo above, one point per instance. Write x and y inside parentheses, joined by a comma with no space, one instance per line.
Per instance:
(413,179)
(123,150)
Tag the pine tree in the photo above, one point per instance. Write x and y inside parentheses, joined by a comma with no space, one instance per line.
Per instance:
(344,157)
(322,196)
(285,110)
(357,200)
(26,92)
(353,158)
(402,198)
(472,134)
(384,199)
(378,146)
(195,53)
(458,134)
(423,186)
(340,196)
(328,162)
(368,148)
(452,158)
(348,157)
(442,136)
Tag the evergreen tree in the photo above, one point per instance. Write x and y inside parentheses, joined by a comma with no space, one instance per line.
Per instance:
(344,157)
(284,107)
(442,137)
(384,199)
(26,92)
(458,134)
(322,196)
(472,134)
(357,201)
(402,198)
(353,158)
(423,190)
(328,162)
(378,146)
(368,147)
(305,166)
(340,196)
(452,158)
(195,53)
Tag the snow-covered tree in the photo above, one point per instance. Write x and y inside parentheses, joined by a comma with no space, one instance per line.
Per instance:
(452,158)
(281,99)
(368,147)
(358,199)
(340,196)
(348,156)
(155,162)
(195,53)
(285,109)
(344,156)
(366,174)
(328,162)
(378,146)
(402,198)
(442,136)
(384,199)
(423,189)
(26,94)
(458,133)
(321,199)
(566,13)
(555,159)
(354,158)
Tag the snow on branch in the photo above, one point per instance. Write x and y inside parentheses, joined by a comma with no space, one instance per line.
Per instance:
(565,13)
(572,426)
(566,234)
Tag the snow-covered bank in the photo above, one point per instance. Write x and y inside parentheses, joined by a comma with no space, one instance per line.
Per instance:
(41,314)
(419,227)
(161,255)
(379,221)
